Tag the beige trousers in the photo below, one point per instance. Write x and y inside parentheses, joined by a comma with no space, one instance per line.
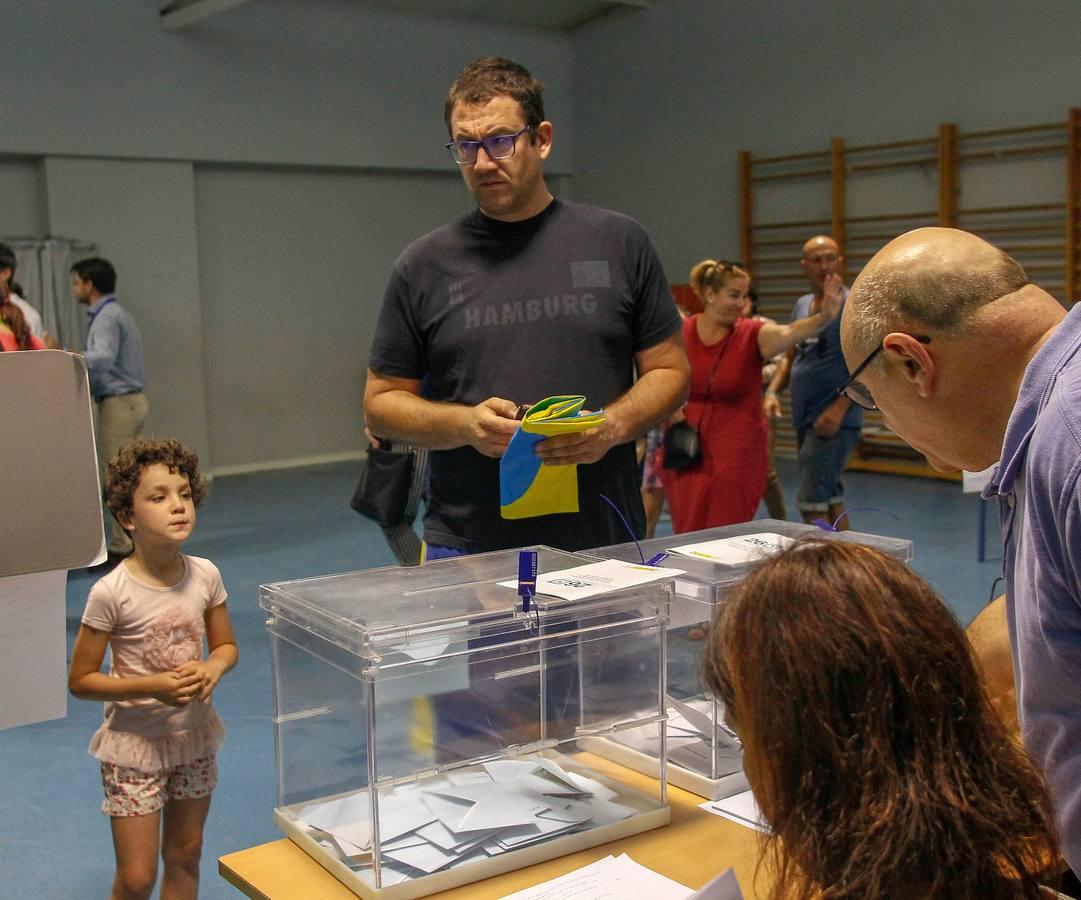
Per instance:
(120,419)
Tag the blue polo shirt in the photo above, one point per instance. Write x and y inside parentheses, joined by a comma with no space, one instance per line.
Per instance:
(1037,483)
(818,371)
(114,350)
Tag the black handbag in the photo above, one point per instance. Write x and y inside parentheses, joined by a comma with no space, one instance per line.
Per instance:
(682,443)
(682,446)
(382,493)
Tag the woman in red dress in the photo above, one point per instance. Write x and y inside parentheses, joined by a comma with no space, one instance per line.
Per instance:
(726,352)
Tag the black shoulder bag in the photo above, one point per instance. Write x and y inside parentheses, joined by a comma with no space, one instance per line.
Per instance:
(382,493)
(682,443)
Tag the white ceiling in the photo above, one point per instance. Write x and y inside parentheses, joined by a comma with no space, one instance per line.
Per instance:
(553,15)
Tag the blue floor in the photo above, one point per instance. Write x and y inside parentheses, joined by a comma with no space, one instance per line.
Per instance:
(55,843)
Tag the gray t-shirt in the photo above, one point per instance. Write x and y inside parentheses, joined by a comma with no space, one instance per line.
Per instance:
(557,304)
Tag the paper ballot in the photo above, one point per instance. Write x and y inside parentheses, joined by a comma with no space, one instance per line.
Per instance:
(611,878)
(596,578)
(446,821)
(684,717)
(735,551)
(694,741)
(619,877)
(723,887)
(740,808)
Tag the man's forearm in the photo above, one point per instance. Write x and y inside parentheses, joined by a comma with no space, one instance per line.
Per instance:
(403,416)
(651,400)
(841,404)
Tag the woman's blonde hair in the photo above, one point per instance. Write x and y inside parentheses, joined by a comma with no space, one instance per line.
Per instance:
(712,273)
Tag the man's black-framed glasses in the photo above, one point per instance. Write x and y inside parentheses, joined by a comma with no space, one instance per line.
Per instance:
(498,146)
(858,392)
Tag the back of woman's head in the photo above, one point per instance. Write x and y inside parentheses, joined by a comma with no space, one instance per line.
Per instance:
(712,273)
(13,317)
(870,744)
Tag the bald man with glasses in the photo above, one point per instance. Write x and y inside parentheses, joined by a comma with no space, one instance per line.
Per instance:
(525,297)
(972,364)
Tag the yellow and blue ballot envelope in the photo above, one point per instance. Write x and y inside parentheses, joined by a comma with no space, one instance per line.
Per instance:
(526,487)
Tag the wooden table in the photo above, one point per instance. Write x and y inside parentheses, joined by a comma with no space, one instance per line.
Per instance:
(694,848)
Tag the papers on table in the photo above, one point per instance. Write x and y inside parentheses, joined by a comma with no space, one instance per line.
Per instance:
(596,578)
(466,815)
(619,877)
(735,551)
(723,887)
(611,878)
(739,808)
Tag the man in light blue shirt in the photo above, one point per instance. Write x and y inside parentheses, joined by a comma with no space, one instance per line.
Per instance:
(970,363)
(114,360)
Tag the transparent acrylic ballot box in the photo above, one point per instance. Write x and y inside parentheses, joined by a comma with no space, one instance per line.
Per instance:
(429,733)
(703,756)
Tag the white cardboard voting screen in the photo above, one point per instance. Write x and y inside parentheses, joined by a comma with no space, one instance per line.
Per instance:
(50,519)
(33,648)
(50,511)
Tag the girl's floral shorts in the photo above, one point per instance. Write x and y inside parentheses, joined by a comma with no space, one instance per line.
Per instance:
(133,792)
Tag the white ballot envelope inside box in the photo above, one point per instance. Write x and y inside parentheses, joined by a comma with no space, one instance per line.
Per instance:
(51,519)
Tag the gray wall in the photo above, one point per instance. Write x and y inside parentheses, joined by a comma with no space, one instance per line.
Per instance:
(20,198)
(253,178)
(665,98)
(293,266)
(319,82)
(141,215)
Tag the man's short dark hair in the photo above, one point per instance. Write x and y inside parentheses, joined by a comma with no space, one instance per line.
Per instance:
(99,272)
(7,258)
(494,76)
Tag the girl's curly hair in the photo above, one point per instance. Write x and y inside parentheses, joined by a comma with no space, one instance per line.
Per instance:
(124,471)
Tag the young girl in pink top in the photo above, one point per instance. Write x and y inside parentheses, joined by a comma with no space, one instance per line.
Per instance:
(158,743)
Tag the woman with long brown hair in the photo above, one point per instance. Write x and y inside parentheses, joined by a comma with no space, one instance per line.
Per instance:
(870,744)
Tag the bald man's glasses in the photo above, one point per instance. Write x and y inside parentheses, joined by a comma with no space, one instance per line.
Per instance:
(498,146)
(858,392)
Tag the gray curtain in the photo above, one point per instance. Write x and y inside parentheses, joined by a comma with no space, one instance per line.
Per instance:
(44,266)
